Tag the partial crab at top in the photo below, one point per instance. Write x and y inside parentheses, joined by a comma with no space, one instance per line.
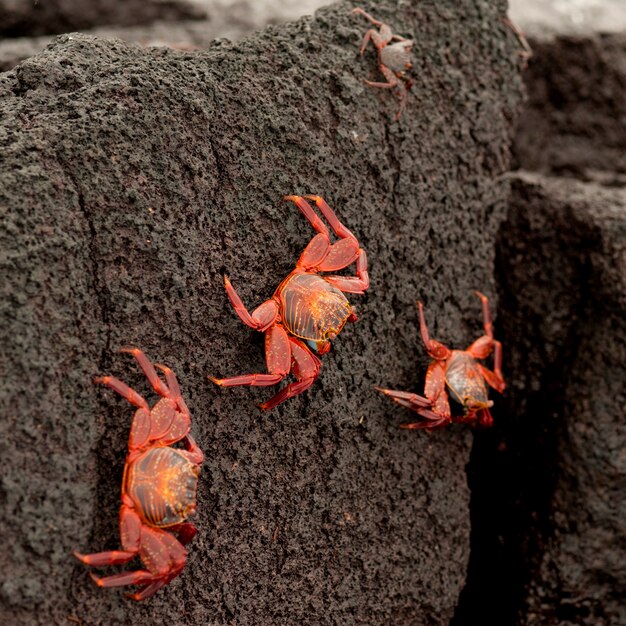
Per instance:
(393,58)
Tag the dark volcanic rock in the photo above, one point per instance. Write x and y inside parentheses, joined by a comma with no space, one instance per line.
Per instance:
(548,483)
(563,305)
(132,179)
(574,123)
(20,18)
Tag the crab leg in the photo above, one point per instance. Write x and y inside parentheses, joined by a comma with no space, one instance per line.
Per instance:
(436,349)
(306,368)
(392,79)
(193,452)
(148,369)
(409,400)
(338,228)
(483,346)
(123,389)
(362,12)
(353,284)
(148,591)
(310,214)
(262,317)
(277,357)
(137,577)
(130,529)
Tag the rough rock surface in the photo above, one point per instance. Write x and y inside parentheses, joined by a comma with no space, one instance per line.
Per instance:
(26,17)
(132,179)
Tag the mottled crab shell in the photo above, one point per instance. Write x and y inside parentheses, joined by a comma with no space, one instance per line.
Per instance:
(312,308)
(396,56)
(162,483)
(465,380)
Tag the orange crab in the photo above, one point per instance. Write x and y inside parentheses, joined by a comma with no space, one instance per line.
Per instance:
(307,310)
(393,58)
(458,374)
(158,487)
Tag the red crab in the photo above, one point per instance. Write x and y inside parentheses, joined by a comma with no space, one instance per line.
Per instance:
(307,310)
(393,58)
(158,488)
(459,372)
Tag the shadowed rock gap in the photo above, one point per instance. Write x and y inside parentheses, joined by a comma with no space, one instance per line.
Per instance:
(538,478)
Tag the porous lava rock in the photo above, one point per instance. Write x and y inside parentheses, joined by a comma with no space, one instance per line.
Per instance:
(132,179)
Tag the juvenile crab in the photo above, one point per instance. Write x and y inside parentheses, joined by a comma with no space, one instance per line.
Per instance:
(307,310)
(393,58)
(158,487)
(459,372)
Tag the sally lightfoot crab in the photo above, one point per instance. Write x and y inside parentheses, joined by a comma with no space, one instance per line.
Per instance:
(393,58)
(455,373)
(307,310)
(158,487)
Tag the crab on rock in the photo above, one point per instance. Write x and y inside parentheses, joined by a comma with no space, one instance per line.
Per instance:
(457,373)
(393,58)
(158,487)
(307,310)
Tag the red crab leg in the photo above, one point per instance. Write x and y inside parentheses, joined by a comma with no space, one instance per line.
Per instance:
(482,347)
(340,254)
(172,383)
(353,284)
(484,418)
(315,252)
(123,389)
(130,529)
(392,79)
(338,228)
(435,389)
(362,12)
(148,591)
(262,317)
(427,425)
(407,399)
(148,369)
(192,451)
(101,559)
(137,577)
(277,357)
(306,368)
(307,210)
(436,349)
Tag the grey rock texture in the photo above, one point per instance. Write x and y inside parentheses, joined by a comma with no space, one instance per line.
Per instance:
(30,18)
(131,180)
